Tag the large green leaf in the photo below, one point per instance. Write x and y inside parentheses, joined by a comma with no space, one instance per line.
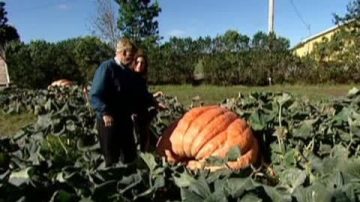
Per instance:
(251,197)
(315,192)
(291,178)
(234,153)
(184,179)
(351,167)
(236,187)
(283,99)
(149,159)
(259,120)
(43,122)
(306,129)
(21,177)
(218,196)
(189,196)
(200,187)
(63,196)
(353,92)
(276,194)
(342,116)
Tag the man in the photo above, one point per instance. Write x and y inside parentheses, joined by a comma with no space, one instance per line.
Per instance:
(117,93)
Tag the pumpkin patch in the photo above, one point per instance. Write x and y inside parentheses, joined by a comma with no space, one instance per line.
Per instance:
(309,151)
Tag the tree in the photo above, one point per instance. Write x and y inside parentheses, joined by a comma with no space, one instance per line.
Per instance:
(338,57)
(269,42)
(31,65)
(88,53)
(104,23)
(260,41)
(37,64)
(137,21)
(231,41)
(350,32)
(351,20)
(7,32)
(353,14)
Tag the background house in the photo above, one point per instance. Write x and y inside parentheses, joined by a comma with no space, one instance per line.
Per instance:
(4,74)
(307,45)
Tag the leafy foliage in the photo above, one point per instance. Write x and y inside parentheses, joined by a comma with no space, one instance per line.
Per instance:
(337,57)
(37,64)
(310,152)
(137,20)
(229,59)
(7,32)
(353,13)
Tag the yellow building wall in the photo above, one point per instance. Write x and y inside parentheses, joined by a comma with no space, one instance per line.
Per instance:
(306,47)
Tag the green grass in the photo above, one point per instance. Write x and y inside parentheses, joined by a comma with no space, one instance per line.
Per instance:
(216,94)
(10,124)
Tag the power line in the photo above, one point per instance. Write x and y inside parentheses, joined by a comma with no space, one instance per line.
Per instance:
(300,17)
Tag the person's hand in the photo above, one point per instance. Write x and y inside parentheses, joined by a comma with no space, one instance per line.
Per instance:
(158,93)
(108,120)
(161,106)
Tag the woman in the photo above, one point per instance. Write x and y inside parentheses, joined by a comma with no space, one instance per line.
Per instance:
(140,63)
(140,66)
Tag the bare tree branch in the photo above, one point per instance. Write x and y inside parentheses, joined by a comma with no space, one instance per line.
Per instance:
(104,23)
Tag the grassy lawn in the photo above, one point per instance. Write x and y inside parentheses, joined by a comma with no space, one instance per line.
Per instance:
(215,94)
(10,124)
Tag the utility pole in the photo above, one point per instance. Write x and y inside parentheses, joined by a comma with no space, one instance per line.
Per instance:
(271,31)
(271,16)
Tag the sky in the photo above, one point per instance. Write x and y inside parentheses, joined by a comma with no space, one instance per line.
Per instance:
(296,20)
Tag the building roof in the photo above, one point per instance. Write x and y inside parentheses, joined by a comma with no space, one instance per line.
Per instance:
(306,40)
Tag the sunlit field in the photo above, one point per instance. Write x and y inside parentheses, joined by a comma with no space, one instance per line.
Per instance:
(216,94)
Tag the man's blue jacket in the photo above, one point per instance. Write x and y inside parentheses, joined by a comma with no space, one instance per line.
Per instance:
(119,92)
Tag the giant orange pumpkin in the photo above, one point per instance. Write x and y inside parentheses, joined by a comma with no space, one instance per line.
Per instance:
(208,131)
(62,83)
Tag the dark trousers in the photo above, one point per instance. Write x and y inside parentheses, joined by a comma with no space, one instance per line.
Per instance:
(142,132)
(145,138)
(117,141)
